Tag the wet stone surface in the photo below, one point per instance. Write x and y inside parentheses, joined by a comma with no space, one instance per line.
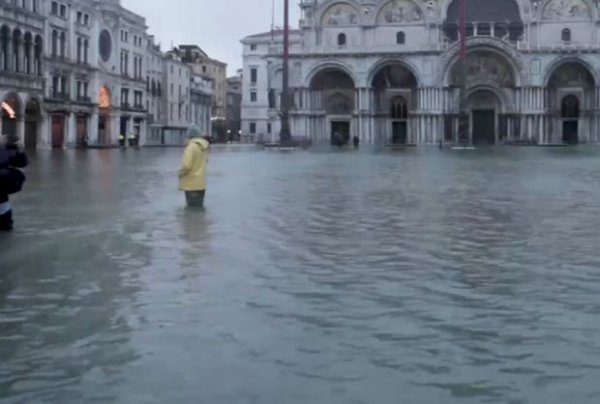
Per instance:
(323,278)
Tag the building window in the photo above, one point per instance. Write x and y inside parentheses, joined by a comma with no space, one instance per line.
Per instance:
(79,17)
(54,8)
(79,49)
(54,43)
(399,108)
(172,89)
(400,38)
(203,69)
(253,96)
(269,129)
(86,48)
(252,47)
(341,40)
(63,11)
(63,44)
(253,75)
(566,35)
(252,127)
(125,97)
(86,20)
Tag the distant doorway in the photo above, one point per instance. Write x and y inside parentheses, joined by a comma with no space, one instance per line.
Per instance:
(570,112)
(399,132)
(32,119)
(58,131)
(484,127)
(340,133)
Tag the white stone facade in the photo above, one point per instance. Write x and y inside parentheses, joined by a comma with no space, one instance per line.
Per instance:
(386,71)
(91,86)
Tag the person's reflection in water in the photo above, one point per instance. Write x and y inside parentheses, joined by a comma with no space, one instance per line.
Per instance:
(196,226)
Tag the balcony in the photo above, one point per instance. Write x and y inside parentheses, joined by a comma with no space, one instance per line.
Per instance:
(510,32)
(84,99)
(59,96)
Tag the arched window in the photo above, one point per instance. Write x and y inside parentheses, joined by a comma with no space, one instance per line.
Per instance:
(400,38)
(54,42)
(399,109)
(566,35)
(27,52)
(38,55)
(570,107)
(63,44)
(341,40)
(4,39)
(17,39)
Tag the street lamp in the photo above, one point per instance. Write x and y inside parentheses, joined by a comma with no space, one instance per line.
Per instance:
(285,136)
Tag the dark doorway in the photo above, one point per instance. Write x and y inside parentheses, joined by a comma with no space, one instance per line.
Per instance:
(570,132)
(58,131)
(32,118)
(484,127)
(400,132)
(104,130)
(82,129)
(340,133)
(570,112)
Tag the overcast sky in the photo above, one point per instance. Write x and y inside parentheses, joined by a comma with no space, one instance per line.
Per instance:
(217,26)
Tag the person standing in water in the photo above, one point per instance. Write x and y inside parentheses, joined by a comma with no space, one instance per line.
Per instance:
(192,175)
(12,157)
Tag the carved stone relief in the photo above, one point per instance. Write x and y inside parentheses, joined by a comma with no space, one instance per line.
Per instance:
(340,14)
(400,11)
(485,66)
(560,10)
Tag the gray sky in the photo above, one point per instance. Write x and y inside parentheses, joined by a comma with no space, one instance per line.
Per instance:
(217,26)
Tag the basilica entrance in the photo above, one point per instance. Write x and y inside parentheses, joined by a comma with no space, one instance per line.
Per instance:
(570,117)
(484,127)
(484,106)
(340,133)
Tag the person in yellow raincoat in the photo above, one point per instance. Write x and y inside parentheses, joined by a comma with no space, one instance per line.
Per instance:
(192,175)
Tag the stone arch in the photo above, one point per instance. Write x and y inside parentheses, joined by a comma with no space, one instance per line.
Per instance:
(376,68)
(447,4)
(448,60)
(5,38)
(505,103)
(329,65)
(552,10)
(393,12)
(563,61)
(339,13)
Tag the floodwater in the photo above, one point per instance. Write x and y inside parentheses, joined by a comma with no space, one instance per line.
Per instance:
(416,276)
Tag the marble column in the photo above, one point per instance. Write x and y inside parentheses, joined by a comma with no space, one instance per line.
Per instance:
(71,138)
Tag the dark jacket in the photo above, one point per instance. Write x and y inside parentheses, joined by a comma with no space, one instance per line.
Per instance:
(10,157)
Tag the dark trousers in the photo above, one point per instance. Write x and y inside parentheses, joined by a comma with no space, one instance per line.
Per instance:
(195,199)
(6,221)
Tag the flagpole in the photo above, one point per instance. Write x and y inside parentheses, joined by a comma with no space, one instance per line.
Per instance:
(463,117)
(285,136)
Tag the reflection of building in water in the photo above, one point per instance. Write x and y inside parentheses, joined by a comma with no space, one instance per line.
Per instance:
(356,66)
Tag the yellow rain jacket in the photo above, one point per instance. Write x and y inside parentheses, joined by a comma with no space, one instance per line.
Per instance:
(192,175)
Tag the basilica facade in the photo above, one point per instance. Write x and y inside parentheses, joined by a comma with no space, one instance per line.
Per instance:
(388,72)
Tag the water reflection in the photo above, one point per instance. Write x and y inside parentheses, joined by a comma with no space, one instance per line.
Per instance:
(311,277)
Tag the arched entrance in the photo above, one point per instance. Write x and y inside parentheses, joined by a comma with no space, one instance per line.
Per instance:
(11,108)
(104,117)
(33,115)
(571,87)
(570,114)
(394,87)
(484,107)
(334,95)
(491,80)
